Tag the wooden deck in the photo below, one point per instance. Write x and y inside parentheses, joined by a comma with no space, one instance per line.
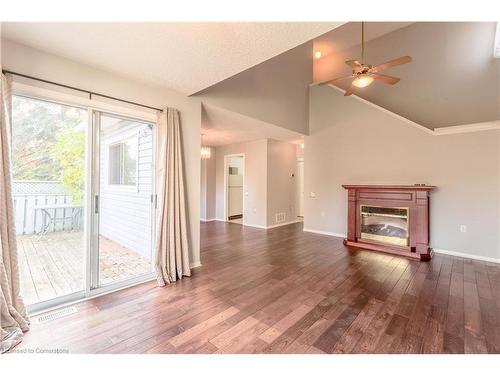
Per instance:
(53,264)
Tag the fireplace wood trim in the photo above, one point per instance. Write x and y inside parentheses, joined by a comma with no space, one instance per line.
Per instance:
(415,197)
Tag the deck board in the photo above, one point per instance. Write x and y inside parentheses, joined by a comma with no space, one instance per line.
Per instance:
(52,265)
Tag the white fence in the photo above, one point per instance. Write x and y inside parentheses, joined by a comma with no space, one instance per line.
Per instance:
(30,220)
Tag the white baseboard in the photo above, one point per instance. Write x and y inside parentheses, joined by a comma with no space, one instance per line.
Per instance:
(465,255)
(271,226)
(333,234)
(254,226)
(195,264)
(282,224)
(438,251)
(207,220)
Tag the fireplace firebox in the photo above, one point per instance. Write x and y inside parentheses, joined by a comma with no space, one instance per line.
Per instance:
(389,218)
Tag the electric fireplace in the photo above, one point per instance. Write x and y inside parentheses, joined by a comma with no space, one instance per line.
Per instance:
(385,224)
(389,218)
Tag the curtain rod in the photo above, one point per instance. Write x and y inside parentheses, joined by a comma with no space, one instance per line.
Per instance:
(80,90)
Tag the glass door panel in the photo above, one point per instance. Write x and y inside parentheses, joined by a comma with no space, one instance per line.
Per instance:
(48,188)
(125,190)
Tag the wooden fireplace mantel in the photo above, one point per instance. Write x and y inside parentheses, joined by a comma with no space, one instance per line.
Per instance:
(414,198)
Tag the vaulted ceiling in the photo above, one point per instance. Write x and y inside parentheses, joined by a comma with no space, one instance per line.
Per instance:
(454,78)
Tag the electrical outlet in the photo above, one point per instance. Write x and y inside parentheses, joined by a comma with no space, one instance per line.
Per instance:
(312,194)
(322,213)
(463,228)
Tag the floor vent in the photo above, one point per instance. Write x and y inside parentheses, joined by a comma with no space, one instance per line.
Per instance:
(56,314)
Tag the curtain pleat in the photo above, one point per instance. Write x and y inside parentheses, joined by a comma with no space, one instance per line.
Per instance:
(13,317)
(172,248)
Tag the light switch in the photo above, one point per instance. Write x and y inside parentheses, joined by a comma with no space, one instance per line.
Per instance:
(312,194)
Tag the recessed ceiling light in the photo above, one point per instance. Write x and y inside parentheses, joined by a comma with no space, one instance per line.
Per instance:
(317,54)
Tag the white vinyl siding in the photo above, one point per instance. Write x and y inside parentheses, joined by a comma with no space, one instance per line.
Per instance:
(125,214)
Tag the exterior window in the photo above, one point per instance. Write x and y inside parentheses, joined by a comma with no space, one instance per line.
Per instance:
(123,162)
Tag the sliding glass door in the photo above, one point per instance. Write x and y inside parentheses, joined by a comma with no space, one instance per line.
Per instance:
(123,198)
(48,187)
(83,188)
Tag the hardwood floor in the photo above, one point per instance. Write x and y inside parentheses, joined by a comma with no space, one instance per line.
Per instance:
(286,291)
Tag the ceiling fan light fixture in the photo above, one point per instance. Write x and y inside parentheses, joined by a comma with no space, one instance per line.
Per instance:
(362,80)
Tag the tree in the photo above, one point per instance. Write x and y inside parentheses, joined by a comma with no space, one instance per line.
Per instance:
(48,143)
(69,151)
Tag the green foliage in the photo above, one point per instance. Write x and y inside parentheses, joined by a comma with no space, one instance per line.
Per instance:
(48,143)
(69,151)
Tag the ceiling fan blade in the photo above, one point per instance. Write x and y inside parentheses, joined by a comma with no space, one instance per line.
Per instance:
(349,91)
(335,80)
(385,79)
(354,64)
(391,63)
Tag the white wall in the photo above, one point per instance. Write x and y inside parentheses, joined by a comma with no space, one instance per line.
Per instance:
(281,186)
(30,61)
(207,194)
(255,180)
(352,142)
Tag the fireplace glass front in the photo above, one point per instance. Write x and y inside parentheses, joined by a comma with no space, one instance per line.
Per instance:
(385,224)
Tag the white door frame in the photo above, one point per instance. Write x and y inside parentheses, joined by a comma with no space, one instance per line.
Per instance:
(226,190)
(300,195)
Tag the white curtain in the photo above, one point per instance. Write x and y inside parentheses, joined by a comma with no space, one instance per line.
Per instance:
(13,318)
(172,250)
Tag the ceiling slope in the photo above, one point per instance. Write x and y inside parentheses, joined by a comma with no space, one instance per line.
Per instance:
(222,127)
(276,91)
(453,79)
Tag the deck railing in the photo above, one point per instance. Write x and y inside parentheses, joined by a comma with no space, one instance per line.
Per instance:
(29,220)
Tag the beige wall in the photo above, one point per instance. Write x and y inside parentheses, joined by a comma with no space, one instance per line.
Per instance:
(275,91)
(33,62)
(281,186)
(207,193)
(255,180)
(352,142)
(269,187)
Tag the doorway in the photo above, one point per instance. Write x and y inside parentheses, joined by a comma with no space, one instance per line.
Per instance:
(234,186)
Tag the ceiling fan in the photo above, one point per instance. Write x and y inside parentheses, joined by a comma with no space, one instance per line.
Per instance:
(365,74)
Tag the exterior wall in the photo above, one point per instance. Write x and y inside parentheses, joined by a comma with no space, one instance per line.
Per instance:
(126,214)
(354,143)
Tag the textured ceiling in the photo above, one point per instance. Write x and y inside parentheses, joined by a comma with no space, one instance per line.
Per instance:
(222,127)
(186,57)
(452,80)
